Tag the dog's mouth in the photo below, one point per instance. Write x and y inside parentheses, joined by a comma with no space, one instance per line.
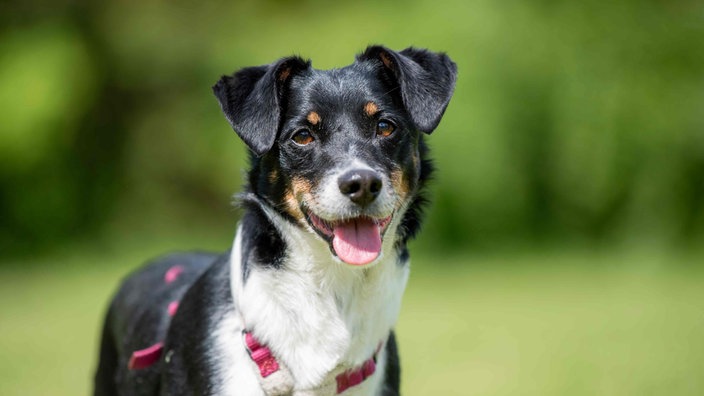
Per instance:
(356,241)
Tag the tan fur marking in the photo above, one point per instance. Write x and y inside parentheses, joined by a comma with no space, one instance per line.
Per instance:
(416,161)
(313,118)
(371,108)
(300,186)
(298,189)
(284,73)
(387,61)
(273,176)
(292,206)
(400,183)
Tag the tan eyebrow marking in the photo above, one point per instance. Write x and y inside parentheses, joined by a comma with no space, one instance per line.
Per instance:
(313,118)
(371,108)
(284,73)
(387,61)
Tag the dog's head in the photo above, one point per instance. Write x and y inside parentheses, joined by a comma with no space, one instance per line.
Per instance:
(340,152)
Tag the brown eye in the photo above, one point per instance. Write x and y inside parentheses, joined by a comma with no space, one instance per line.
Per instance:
(385,128)
(302,137)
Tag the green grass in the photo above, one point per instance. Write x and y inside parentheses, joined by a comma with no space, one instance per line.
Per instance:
(532,324)
(555,325)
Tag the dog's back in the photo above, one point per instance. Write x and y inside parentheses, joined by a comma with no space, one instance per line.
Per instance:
(139,318)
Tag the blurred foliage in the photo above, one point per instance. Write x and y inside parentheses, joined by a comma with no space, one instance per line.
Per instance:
(572,121)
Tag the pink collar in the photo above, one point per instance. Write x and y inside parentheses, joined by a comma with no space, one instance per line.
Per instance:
(266,362)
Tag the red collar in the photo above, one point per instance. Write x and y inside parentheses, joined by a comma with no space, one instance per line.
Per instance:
(268,365)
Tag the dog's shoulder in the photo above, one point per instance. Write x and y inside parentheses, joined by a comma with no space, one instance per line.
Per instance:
(194,356)
(141,312)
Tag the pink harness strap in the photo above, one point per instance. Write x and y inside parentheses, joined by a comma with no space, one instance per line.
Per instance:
(173,307)
(173,273)
(145,357)
(356,376)
(261,355)
(267,364)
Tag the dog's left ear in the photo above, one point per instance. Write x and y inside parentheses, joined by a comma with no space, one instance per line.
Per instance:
(252,100)
(426,80)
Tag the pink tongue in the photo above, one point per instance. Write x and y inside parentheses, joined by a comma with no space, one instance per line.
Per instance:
(357,242)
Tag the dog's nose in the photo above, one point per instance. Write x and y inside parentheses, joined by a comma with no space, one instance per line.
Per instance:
(361,186)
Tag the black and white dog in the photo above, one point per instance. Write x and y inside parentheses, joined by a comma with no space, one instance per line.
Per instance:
(306,300)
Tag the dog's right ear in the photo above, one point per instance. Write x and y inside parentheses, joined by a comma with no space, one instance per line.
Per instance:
(251,100)
(426,80)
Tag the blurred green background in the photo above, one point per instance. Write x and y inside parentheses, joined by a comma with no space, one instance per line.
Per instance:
(562,253)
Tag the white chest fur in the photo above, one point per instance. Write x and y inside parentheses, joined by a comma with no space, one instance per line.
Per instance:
(319,314)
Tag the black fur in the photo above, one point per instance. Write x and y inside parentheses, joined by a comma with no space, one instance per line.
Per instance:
(266,106)
(264,246)
(136,319)
(252,98)
(193,367)
(393,368)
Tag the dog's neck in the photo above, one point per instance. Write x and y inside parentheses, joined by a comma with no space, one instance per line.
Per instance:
(314,312)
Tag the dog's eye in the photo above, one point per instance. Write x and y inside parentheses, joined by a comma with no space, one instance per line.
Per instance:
(302,137)
(385,128)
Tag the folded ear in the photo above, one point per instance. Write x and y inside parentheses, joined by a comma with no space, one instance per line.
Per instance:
(251,100)
(426,80)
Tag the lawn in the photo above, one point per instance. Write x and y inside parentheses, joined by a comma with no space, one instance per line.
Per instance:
(569,323)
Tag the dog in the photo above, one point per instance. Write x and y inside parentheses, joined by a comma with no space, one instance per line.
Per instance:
(306,300)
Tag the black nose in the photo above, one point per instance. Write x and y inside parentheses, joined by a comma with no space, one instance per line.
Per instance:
(361,186)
